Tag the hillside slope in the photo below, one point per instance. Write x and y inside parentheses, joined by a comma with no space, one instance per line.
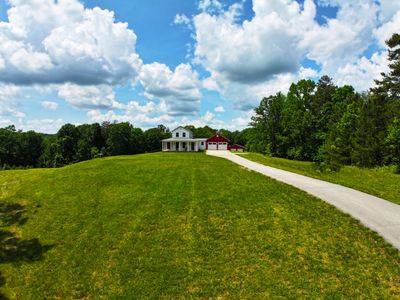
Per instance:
(171,225)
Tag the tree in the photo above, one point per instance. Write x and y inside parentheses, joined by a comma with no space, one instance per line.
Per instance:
(67,138)
(393,143)
(119,138)
(30,148)
(153,137)
(8,147)
(268,126)
(137,141)
(297,122)
(339,147)
(389,85)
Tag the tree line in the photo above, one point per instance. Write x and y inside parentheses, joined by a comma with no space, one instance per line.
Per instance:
(76,143)
(331,125)
(73,143)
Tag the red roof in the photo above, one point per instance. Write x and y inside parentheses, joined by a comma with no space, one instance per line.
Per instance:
(236,146)
(218,139)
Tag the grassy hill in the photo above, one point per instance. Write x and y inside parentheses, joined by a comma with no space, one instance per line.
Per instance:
(180,226)
(381,182)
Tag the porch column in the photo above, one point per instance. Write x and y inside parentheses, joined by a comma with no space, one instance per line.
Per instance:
(196,146)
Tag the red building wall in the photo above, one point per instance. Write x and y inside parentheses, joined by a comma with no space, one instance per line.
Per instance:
(217,139)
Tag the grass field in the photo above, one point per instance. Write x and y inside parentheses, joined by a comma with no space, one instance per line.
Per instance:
(178,226)
(381,182)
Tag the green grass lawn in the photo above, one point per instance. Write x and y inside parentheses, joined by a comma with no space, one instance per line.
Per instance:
(381,182)
(179,226)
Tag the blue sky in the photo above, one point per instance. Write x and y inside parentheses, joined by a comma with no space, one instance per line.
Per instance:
(204,62)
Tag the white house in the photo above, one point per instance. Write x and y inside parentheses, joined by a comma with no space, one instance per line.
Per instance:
(182,141)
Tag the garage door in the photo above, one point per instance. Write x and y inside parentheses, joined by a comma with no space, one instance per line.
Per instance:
(222,146)
(212,146)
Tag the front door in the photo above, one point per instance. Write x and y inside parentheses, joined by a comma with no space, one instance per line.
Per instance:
(192,146)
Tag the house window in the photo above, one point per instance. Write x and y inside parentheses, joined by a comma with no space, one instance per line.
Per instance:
(202,143)
(184,134)
(177,134)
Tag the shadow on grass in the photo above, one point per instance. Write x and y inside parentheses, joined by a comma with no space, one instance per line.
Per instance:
(12,248)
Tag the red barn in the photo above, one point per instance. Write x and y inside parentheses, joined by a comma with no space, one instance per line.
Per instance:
(237,147)
(217,142)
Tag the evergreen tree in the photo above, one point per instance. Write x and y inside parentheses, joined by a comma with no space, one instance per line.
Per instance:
(393,143)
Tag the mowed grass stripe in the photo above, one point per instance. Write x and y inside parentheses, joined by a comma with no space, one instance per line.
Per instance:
(172,226)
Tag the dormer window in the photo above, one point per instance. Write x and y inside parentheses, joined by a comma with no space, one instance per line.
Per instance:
(184,134)
(177,134)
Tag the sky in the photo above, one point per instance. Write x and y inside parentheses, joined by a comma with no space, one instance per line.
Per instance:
(179,62)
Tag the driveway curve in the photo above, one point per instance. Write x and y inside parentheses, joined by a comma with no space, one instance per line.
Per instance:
(377,214)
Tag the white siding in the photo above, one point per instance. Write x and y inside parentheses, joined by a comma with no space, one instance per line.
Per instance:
(182,133)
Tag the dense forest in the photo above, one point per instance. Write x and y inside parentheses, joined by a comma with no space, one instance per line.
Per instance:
(315,121)
(331,125)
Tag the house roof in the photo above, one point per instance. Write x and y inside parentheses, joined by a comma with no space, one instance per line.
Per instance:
(218,138)
(237,146)
(183,140)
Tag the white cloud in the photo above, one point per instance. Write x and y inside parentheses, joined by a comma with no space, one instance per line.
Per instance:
(41,125)
(249,53)
(89,97)
(52,41)
(9,95)
(219,109)
(49,105)
(361,74)
(178,89)
(144,116)
(388,9)
(384,32)
(208,119)
(261,56)
(211,6)
(183,20)
(341,40)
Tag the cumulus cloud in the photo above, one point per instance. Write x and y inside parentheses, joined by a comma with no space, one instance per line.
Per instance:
(362,73)
(343,39)
(49,105)
(41,125)
(211,6)
(248,53)
(52,41)
(181,19)
(257,57)
(219,109)
(178,89)
(141,115)
(209,119)
(9,95)
(89,97)
(384,32)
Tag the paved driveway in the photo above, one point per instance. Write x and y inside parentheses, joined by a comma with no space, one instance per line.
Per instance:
(377,214)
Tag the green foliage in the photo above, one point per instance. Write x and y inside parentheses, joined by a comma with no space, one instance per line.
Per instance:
(393,143)
(153,137)
(118,138)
